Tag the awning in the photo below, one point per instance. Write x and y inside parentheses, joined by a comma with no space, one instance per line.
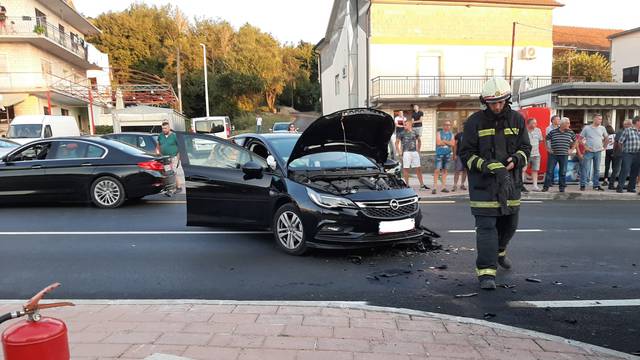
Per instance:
(11,99)
(599,101)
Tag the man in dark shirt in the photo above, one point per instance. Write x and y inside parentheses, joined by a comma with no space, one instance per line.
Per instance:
(560,142)
(460,170)
(417,119)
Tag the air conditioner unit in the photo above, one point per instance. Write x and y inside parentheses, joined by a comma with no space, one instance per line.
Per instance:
(529,53)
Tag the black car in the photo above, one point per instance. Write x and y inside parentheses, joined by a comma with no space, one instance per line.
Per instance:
(102,171)
(326,188)
(145,141)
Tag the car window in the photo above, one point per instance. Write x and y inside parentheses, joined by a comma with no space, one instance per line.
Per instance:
(65,150)
(284,146)
(209,126)
(47,132)
(7,144)
(210,152)
(34,152)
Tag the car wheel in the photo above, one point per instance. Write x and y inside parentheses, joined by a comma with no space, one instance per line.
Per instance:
(107,193)
(288,230)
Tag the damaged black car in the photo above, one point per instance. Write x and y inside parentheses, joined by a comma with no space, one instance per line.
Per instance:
(332,186)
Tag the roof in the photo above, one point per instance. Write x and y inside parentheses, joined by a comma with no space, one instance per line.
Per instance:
(508,2)
(596,87)
(622,33)
(582,38)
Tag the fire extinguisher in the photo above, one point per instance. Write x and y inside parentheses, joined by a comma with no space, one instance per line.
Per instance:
(37,337)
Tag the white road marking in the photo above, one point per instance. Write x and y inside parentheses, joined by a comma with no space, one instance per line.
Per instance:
(132,232)
(437,202)
(473,231)
(165,202)
(531,202)
(634,229)
(575,303)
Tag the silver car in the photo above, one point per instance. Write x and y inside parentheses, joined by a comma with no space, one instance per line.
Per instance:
(6,146)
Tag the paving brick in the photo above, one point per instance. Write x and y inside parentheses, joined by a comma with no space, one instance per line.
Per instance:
(132,337)
(343,345)
(168,308)
(358,333)
(326,321)
(343,312)
(553,346)
(104,350)
(87,337)
(401,348)
(214,309)
(512,343)
(288,342)
(259,329)
(237,341)
(142,351)
(210,328)
(541,355)
(299,310)
(234,318)
(505,354)
(250,309)
(385,315)
(409,336)
(208,353)
(188,317)
(112,326)
(280,319)
(183,339)
(160,326)
(421,325)
(324,355)
(471,329)
(374,323)
(452,351)
(308,331)
(374,356)
(267,354)
(459,339)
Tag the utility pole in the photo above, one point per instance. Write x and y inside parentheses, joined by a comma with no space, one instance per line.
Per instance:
(206,84)
(513,45)
(179,80)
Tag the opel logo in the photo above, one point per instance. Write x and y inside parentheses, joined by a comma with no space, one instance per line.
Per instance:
(394,204)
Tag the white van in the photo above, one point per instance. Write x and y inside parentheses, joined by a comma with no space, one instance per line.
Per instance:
(27,128)
(219,126)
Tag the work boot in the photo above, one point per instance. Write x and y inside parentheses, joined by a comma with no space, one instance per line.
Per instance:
(487,282)
(504,262)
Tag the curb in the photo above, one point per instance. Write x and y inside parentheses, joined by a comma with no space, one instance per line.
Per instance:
(357,305)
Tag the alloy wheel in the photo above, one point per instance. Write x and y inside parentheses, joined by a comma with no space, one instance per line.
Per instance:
(289,230)
(107,192)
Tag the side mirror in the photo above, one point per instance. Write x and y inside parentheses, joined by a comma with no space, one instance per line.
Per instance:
(271,161)
(252,170)
(4,158)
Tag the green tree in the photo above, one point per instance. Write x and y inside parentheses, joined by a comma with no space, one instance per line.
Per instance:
(593,67)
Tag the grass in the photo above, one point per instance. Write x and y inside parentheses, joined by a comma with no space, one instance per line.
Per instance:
(247,123)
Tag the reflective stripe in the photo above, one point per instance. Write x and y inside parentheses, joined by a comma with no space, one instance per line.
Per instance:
(470,162)
(494,166)
(492,204)
(479,164)
(524,157)
(502,254)
(511,131)
(490,272)
(486,132)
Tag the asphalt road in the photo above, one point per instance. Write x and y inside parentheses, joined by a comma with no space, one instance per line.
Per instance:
(578,250)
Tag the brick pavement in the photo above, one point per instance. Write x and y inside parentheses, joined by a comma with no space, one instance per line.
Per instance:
(237,331)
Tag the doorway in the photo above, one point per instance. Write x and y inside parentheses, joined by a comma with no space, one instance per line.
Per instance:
(428,82)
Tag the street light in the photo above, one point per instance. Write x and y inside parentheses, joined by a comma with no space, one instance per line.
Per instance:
(206,84)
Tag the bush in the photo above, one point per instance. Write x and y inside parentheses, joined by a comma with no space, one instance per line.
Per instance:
(103,129)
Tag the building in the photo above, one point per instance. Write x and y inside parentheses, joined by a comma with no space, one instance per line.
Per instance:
(44,60)
(625,61)
(589,40)
(437,54)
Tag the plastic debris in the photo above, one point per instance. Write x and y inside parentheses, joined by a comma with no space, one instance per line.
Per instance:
(557,283)
(459,296)
(506,286)
(356,259)
(489,315)
(533,280)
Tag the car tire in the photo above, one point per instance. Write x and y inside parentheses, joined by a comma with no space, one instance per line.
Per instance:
(107,192)
(288,230)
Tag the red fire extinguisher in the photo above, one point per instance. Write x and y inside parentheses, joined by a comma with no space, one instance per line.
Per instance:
(38,337)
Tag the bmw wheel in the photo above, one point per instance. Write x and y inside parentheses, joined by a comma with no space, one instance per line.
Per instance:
(288,230)
(107,193)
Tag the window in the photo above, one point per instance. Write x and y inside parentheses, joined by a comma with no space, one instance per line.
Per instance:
(64,112)
(218,154)
(76,150)
(45,65)
(47,132)
(337,84)
(630,74)
(34,152)
(46,110)
(61,32)
(25,131)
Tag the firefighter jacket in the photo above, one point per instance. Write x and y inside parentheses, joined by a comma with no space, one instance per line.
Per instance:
(489,140)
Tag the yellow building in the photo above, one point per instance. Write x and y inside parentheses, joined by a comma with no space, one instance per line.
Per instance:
(44,60)
(389,54)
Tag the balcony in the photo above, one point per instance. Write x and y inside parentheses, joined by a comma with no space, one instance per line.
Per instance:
(48,38)
(446,87)
(73,89)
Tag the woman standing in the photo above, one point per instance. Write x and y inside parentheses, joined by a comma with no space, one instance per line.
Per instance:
(610,160)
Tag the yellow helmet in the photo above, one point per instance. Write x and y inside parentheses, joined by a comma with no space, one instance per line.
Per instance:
(496,90)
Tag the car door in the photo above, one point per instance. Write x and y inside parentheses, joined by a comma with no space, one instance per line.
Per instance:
(22,175)
(219,192)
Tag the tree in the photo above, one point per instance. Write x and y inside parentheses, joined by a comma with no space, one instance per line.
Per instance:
(593,67)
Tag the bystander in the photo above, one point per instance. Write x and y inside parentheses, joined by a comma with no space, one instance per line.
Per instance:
(560,141)
(630,141)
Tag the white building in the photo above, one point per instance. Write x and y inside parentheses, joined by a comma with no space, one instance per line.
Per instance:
(437,54)
(625,55)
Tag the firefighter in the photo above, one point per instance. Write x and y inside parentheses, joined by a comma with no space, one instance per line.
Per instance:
(495,147)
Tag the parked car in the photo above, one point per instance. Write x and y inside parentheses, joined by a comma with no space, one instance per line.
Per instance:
(314,190)
(6,146)
(145,141)
(104,172)
(280,127)
(219,126)
(27,128)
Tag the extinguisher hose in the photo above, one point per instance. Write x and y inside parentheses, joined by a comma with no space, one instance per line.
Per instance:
(6,317)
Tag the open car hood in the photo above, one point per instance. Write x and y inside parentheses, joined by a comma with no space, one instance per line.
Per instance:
(367,132)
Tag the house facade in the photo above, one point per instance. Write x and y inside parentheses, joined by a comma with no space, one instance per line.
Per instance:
(625,61)
(389,54)
(44,61)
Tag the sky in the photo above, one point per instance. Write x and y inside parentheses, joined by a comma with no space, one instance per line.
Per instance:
(295,20)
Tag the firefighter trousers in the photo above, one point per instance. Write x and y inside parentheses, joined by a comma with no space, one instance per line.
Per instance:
(493,234)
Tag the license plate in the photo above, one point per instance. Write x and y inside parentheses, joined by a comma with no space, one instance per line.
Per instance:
(387,227)
(167,168)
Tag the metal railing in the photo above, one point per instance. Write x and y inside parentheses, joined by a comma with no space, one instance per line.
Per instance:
(34,26)
(443,86)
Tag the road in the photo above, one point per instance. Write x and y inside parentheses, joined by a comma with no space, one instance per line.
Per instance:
(578,250)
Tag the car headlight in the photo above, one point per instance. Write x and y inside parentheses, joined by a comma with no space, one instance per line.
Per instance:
(330,201)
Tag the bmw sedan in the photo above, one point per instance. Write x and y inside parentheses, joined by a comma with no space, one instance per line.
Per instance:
(104,172)
(330,187)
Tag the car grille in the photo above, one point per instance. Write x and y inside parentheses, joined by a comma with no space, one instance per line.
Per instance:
(384,210)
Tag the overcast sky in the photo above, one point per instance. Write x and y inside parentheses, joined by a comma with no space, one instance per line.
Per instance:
(294,20)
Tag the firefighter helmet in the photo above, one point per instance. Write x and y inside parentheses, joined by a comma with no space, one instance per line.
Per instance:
(496,90)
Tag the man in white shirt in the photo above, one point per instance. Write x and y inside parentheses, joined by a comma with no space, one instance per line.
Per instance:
(258,124)
(535,137)
(596,140)
(395,137)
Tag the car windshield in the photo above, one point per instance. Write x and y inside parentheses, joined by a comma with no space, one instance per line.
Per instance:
(22,131)
(284,146)
(280,126)
(332,160)
(209,126)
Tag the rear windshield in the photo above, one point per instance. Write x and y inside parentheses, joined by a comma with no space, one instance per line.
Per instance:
(25,131)
(280,126)
(7,144)
(209,126)
(129,149)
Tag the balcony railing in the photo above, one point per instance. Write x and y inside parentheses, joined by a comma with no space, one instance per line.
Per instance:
(33,26)
(391,87)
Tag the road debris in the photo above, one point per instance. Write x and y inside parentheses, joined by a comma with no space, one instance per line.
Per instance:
(441,267)
(388,274)
(460,296)
(355,259)
(557,283)
(506,286)
(571,321)
(489,315)
(533,280)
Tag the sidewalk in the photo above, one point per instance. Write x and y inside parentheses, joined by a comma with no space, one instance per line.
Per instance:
(227,330)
